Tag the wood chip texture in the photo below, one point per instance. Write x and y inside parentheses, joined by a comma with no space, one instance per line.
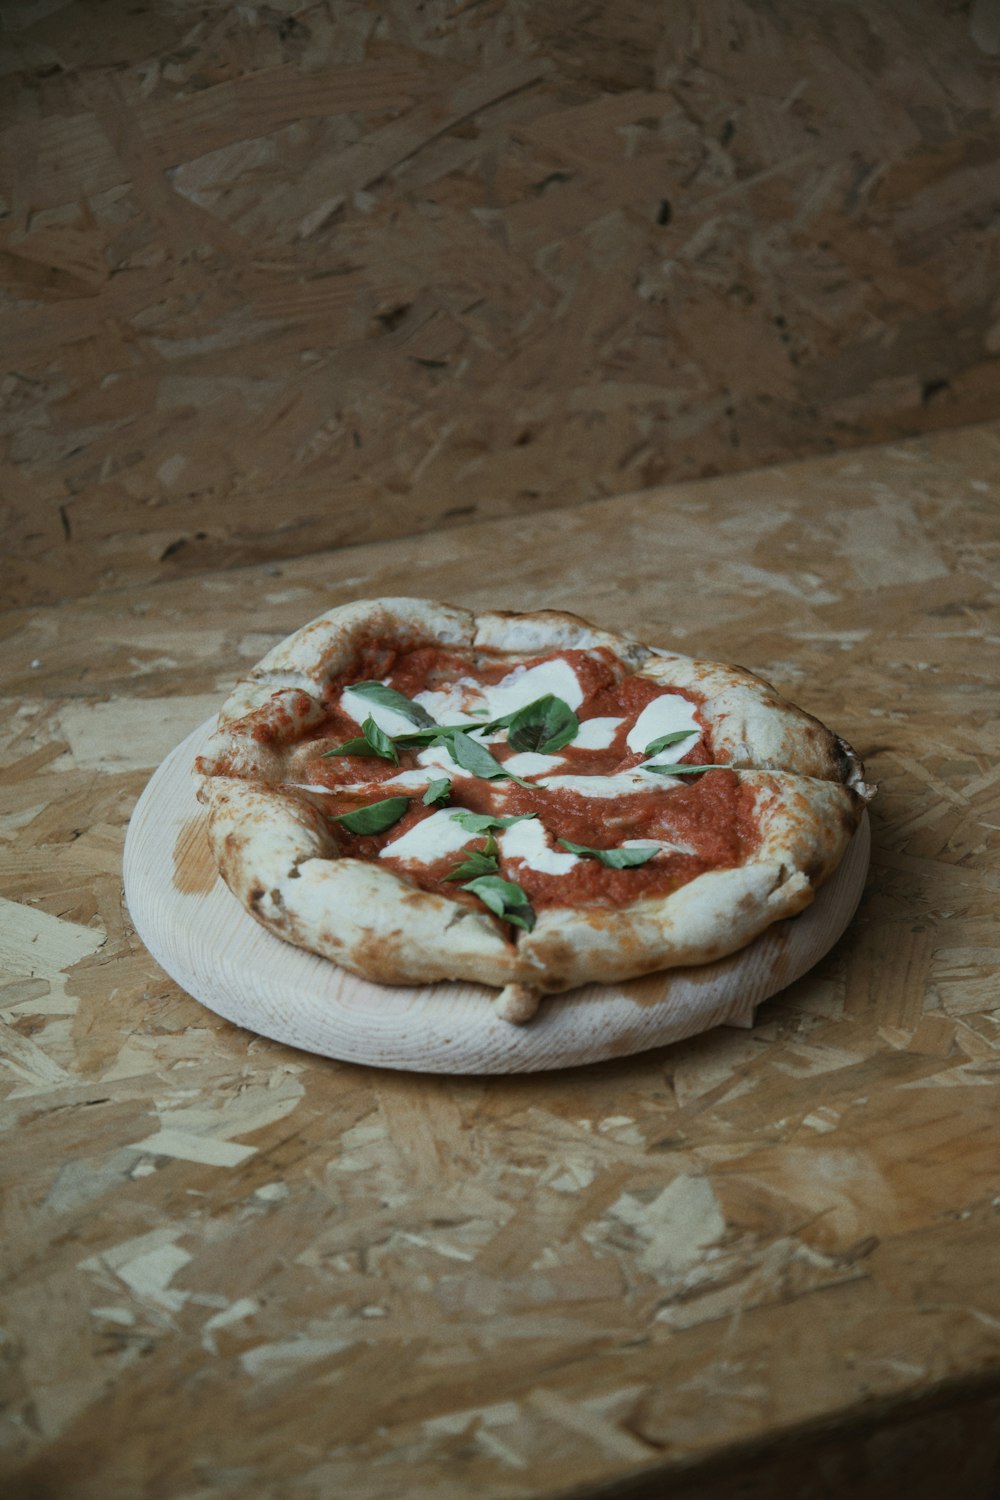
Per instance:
(231,1268)
(279,277)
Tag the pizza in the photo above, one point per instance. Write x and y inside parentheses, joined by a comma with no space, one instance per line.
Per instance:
(421,793)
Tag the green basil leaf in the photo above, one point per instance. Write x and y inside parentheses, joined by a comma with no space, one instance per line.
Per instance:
(680,769)
(504,899)
(477,862)
(472,756)
(414,737)
(387,697)
(380,742)
(375,742)
(437,793)
(376,817)
(439,734)
(351,747)
(545,725)
(615,859)
(492,725)
(655,746)
(505,720)
(483,822)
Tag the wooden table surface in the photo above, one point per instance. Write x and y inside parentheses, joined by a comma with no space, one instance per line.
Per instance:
(231,1268)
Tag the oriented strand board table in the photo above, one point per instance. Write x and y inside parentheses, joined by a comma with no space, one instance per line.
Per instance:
(768,1255)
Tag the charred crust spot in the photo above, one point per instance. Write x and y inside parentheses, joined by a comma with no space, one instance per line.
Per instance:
(256,896)
(849,767)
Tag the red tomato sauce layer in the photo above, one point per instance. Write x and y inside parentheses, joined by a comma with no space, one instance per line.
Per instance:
(708,820)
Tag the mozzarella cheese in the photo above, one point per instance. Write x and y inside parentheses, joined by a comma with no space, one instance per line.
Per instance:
(437,759)
(525,684)
(529,842)
(408,780)
(360,708)
(666,714)
(531,763)
(428,840)
(597,734)
(454,703)
(619,785)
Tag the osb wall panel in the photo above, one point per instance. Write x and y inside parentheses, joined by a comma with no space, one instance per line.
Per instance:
(282,277)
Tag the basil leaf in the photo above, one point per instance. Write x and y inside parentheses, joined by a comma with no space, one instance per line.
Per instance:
(375,742)
(655,746)
(376,817)
(439,733)
(482,822)
(477,862)
(437,793)
(680,769)
(545,725)
(492,725)
(505,720)
(380,741)
(504,899)
(418,737)
(387,697)
(350,747)
(615,859)
(472,756)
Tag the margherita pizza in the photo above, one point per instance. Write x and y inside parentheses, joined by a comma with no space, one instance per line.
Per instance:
(420,793)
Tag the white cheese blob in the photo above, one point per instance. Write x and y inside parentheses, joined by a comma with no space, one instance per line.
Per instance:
(532,763)
(619,785)
(525,684)
(428,840)
(403,780)
(596,734)
(529,842)
(438,760)
(360,708)
(453,704)
(408,779)
(666,714)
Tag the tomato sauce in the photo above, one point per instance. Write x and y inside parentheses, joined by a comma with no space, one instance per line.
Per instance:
(707,821)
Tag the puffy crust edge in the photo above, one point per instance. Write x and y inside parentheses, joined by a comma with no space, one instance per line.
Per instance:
(281,860)
(551,630)
(754,726)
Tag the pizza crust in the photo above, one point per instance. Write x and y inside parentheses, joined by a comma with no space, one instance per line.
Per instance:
(281,858)
(755,726)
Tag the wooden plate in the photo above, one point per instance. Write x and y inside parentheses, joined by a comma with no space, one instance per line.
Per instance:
(203,938)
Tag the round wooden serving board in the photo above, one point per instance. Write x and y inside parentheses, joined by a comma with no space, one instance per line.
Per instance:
(200,934)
